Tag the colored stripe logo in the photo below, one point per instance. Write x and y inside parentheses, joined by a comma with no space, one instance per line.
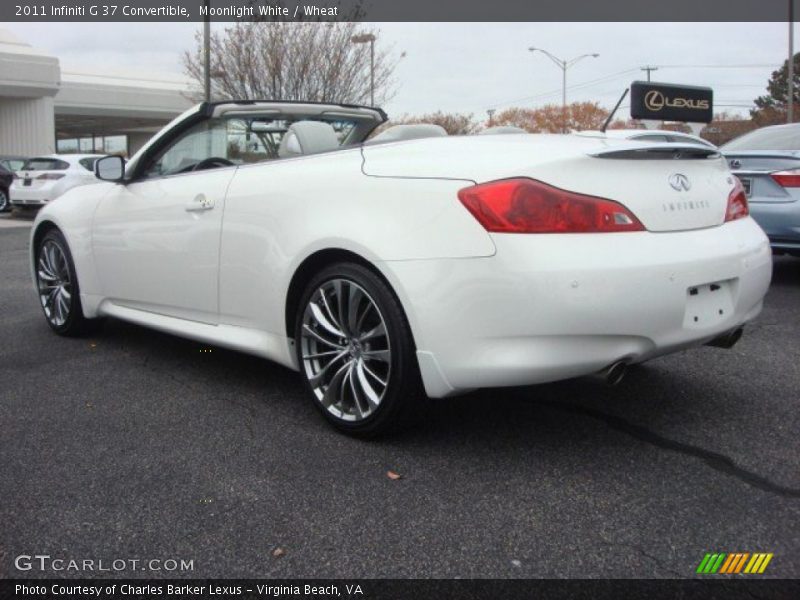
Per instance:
(734,562)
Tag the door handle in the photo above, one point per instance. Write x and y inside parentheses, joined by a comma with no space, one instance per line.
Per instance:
(200,203)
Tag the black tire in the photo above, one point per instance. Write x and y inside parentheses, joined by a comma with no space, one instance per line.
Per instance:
(5,201)
(403,386)
(72,322)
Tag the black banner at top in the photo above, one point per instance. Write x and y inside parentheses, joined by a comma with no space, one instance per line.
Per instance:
(670,102)
(394,10)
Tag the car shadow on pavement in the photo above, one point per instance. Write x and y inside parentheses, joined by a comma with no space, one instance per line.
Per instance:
(785,270)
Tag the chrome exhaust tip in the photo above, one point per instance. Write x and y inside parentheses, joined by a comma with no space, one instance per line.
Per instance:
(614,373)
(727,340)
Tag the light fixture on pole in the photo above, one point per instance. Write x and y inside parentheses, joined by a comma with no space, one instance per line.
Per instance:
(563,65)
(365,38)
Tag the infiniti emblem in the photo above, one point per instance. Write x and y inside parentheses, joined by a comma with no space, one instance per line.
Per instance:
(679,182)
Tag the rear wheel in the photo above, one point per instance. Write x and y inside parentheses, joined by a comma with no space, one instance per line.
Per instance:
(57,285)
(355,351)
(5,204)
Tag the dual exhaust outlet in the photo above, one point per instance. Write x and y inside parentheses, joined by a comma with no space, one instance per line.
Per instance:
(616,372)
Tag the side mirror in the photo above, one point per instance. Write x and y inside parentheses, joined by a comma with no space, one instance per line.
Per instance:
(110,168)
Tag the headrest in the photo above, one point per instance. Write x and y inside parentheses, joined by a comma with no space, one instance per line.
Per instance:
(307,137)
(398,133)
(501,129)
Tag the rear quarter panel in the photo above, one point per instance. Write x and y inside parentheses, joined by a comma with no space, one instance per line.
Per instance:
(278,214)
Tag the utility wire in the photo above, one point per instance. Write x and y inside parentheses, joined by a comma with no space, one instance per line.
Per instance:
(593,82)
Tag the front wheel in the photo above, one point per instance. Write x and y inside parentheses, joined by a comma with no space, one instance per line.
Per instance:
(57,286)
(355,351)
(5,204)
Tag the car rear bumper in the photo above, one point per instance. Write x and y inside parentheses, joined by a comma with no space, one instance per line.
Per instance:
(781,222)
(550,307)
(29,196)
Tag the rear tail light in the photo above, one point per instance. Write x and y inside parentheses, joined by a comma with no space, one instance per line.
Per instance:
(524,205)
(737,202)
(787,179)
(50,176)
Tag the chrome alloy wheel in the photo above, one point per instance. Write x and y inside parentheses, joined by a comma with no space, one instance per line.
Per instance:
(345,350)
(55,284)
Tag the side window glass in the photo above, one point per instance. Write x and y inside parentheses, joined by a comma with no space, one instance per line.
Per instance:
(203,141)
(227,141)
(254,139)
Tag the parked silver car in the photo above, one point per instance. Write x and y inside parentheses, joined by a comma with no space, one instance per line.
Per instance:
(767,161)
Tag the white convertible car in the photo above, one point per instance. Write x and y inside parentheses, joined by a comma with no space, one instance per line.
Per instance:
(412,259)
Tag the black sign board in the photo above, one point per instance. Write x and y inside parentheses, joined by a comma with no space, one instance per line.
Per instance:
(671,102)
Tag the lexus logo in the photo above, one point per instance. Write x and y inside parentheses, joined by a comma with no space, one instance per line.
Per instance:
(654,101)
(679,182)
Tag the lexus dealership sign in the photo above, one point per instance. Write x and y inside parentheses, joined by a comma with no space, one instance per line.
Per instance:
(670,102)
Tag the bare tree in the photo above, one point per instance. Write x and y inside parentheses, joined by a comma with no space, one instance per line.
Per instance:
(581,116)
(309,61)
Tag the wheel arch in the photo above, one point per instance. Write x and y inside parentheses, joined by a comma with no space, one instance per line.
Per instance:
(317,261)
(40,230)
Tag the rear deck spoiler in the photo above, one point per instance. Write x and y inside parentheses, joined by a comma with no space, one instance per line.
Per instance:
(656,151)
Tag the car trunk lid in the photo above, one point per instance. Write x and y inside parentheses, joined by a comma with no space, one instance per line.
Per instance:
(669,187)
(37,179)
(636,174)
(755,170)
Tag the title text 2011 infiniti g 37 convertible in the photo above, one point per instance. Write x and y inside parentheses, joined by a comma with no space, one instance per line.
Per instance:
(412,258)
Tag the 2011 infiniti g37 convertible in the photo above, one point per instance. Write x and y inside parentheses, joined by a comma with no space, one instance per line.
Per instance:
(412,258)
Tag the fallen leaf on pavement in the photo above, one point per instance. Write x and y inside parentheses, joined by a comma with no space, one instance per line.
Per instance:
(278,552)
(393,476)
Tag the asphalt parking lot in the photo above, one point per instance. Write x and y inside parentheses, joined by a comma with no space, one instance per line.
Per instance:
(135,444)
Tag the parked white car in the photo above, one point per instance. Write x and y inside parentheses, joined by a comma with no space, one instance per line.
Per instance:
(455,262)
(44,178)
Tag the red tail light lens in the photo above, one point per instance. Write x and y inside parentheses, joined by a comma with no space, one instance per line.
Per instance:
(524,205)
(737,202)
(790,179)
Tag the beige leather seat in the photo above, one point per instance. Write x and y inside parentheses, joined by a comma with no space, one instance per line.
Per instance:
(399,133)
(307,137)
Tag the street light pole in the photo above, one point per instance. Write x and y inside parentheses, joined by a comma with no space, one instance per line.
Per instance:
(790,65)
(207,54)
(563,65)
(363,39)
(372,71)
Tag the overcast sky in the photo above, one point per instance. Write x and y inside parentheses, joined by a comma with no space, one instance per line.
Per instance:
(471,67)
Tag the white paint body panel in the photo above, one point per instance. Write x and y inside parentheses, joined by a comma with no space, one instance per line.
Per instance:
(485,310)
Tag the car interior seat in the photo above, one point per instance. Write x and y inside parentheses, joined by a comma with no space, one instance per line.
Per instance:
(308,137)
(399,133)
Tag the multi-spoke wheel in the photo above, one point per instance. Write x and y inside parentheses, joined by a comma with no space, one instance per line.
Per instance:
(58,285)
(355,350)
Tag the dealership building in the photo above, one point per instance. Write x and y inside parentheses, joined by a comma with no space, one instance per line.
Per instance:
(44,109)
